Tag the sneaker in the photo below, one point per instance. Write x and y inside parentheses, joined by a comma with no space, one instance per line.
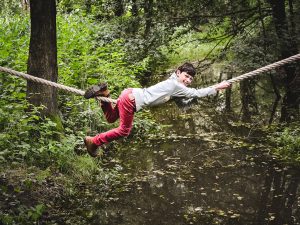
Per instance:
(90,146)
(97,90)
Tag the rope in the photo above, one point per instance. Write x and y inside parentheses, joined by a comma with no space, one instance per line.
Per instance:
(264,69)
(50,83)
(80,92)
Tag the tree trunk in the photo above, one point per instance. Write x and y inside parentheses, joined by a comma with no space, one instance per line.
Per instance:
(246,116)
(228,93)
(148,8)
(135,17)
(287,47)
(134,8)
(118,7)
(277,98)
(88,6)
(249,104)
(42,60)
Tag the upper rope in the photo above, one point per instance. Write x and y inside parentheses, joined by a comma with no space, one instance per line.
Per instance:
(264,69)
(80,92)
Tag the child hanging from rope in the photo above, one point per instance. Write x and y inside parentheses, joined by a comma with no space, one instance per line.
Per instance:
(133,100)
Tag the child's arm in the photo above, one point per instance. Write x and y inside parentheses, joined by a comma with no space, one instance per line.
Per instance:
(183,91)
(184,97)
(222,85)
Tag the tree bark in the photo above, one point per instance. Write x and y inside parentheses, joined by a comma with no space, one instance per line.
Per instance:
(88,6)
(290,104)
(42,60)
(118,8)
(135,17)
(246,115)
(134,8)
(228,93)
(277,98)
(148,8)
(249,104)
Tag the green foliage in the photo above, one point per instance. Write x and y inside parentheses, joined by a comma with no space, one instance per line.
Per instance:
(14,41)
(94,46)
(192,46)
(84,59)
(25,137)
(10,7)
(26,215)
(287,143)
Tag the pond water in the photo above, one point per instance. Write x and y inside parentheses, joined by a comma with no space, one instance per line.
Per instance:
(201,172)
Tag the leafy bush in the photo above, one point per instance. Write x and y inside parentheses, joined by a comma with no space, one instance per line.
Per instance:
(84,59)
(287,143)
(25,137)
(26,215)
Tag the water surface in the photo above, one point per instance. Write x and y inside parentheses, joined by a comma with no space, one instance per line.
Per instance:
(202,171)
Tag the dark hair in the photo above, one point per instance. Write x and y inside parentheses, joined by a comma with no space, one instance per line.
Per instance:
(188,68)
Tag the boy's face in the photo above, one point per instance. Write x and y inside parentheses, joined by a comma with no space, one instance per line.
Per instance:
(184,78)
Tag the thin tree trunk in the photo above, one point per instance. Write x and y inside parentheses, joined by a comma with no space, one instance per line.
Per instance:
(249,105)
(134,8)
(228,95)
(88,6)
(118,8)
(276,90)
(246,117)
(42,60)
(219,81)
(135,17)
(292,22)
(148,8)
(277,98)
(290,104)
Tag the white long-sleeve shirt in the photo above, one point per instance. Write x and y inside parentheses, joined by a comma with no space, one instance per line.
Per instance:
(166,90)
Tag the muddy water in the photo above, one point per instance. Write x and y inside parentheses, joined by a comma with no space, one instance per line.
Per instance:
(200,171)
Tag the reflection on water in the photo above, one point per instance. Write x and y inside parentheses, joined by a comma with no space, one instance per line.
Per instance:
(195,175)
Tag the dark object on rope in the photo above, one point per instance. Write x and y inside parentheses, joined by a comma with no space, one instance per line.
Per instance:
(96,91)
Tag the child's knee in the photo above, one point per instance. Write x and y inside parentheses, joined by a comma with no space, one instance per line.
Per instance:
(111,120)
(124,131)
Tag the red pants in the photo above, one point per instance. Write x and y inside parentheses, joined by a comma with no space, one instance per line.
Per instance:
(124,110)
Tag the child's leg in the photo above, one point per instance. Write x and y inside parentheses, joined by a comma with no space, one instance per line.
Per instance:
(126,108)
(111,113)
